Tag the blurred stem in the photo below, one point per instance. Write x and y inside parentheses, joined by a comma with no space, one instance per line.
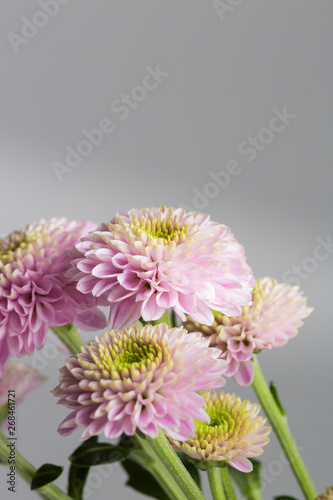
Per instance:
(169,458)
(69,336)
(280,426)
(227,484)
(215,483)
(158,471)
(173,319)
(27,472)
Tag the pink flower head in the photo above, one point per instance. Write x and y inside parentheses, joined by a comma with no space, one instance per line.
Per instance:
(140,378)
(19,378)
(274,317)
(148,260)
(34,292)
(234,434)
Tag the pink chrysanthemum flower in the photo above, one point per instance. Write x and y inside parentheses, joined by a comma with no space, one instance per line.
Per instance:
(235,433)
(274,317)
(148,260)
(326,496)
(140,378)
(20,378)
(34,291)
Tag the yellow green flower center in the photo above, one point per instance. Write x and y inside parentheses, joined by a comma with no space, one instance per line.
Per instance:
(221,417)
(133,355)
(221,422)
(13,246)
(127,354)
(10,246)
(165,231)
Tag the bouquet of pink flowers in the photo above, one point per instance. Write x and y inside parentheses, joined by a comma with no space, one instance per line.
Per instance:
(184,314)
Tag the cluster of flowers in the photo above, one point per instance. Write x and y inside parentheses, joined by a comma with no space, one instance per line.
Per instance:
(35,292)
(140,376)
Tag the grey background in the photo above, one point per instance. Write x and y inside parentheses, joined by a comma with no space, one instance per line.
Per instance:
(226,77)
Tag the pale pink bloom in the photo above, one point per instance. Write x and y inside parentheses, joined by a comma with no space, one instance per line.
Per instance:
(34,291)
(140,378)
(148,260)
(19,378)
(274,317)
(234,434)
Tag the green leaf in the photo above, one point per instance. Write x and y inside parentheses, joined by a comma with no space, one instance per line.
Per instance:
(127,441)
(89,454)
(45,475)
(274,392)
(77,476)
(142,481)
(192,469)
(284,497)
(248,482)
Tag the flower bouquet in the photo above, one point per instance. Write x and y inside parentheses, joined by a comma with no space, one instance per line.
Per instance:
(184,313)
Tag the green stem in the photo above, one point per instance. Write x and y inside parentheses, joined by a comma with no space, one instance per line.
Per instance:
(69,336)
(163,450)
(173,319)
(227,484)
(215,483)
(254,494)
(280,426)
(27,472)
(158,471)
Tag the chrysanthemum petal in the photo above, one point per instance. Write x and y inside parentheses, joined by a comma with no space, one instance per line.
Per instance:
(245,373)
(20,378)
(124,313)
(241,463)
